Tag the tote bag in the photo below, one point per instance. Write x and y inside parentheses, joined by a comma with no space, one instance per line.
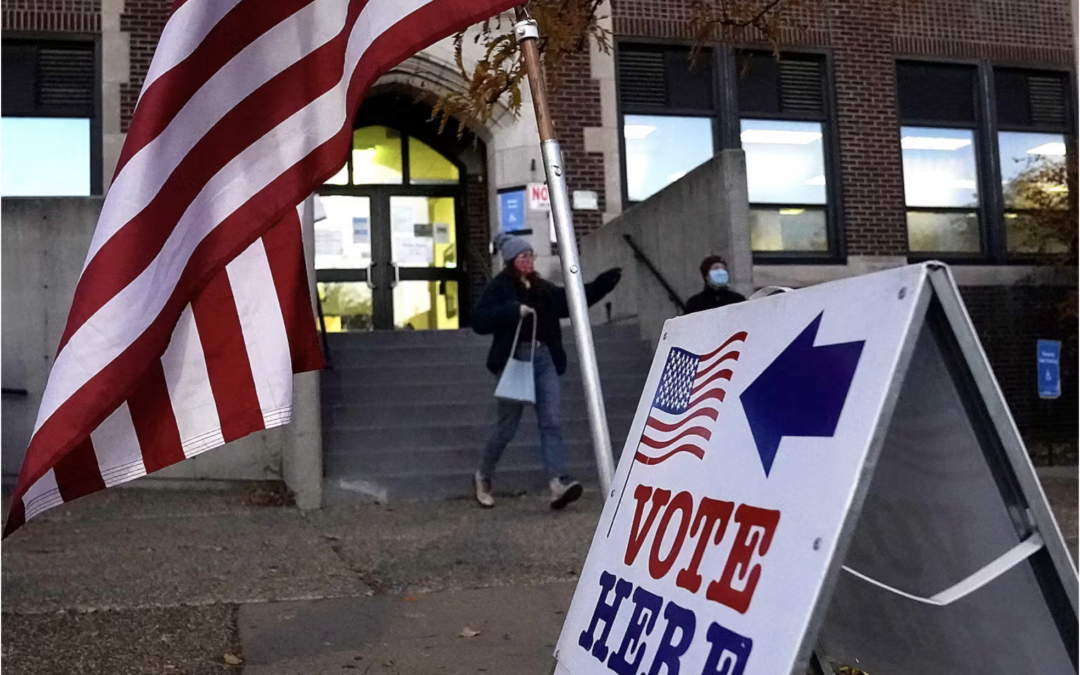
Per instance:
(516,382)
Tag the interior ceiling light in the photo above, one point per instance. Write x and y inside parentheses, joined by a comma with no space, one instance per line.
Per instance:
(1054,149)
(779,136)
(933,143)
(637,132)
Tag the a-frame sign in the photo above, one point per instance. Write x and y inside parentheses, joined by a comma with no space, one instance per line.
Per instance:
(832,469)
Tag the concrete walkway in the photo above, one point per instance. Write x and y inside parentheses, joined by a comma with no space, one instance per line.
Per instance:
(149,581)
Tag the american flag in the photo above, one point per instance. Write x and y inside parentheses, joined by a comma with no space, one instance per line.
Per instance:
(687,402)
(192,311)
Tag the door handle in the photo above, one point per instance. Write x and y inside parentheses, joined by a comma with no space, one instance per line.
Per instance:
(371,276)
(397,275)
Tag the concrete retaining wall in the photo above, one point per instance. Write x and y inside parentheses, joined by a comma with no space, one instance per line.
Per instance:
(44,244)
(705,212)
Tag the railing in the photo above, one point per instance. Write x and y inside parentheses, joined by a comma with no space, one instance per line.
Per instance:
(322,330)
(644,260)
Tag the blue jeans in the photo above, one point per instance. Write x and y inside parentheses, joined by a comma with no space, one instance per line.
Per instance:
(548,415)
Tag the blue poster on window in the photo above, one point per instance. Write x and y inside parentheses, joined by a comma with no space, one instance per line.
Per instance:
(1049,365)
(512,211)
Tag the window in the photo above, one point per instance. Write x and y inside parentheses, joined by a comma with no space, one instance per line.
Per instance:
(673,120)
(939,148)
(50,141)
(1032,146)
(783,133)
(662,149)
(384,156)
(668,110)
(984,177)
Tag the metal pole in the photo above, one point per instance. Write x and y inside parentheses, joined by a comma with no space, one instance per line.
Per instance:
(526,33)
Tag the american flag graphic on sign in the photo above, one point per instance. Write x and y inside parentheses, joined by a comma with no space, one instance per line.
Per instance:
(192,311)
(687,402)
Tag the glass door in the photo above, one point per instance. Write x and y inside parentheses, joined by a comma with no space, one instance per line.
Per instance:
(343,263)
(424,252)
(386,237)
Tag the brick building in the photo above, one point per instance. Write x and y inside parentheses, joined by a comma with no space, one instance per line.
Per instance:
(884,132)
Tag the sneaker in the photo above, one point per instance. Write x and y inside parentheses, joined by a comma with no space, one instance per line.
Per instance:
(482,488)
(564,491)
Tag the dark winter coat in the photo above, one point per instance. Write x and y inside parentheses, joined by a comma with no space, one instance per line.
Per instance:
(498,313)
(711,298)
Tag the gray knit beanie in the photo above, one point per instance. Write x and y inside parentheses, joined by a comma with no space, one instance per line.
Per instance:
(510,246)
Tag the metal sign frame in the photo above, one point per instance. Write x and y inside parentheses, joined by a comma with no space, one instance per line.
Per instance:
(961,425)
(940,308)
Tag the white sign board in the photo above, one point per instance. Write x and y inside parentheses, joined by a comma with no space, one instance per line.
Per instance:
(538,197)
(735,481)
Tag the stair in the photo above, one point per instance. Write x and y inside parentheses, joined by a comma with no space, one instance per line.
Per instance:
(406,414)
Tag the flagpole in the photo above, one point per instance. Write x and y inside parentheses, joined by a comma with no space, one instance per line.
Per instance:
(527,34)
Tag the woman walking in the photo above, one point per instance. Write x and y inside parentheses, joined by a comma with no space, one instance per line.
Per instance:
(519,294)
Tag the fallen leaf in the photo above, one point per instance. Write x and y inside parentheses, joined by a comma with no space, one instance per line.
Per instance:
(410,598)
(467,632)
(232,659)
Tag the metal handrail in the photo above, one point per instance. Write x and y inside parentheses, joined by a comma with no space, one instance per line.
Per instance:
(644,260)
(322,331)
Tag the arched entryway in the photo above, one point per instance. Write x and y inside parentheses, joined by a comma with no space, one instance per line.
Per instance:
(392,244)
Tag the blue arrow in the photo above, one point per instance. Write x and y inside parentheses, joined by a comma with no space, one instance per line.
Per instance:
(801,393)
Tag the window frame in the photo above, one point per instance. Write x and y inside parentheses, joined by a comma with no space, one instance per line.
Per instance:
(97,183)
(991,209)
(725,117)
(835,251)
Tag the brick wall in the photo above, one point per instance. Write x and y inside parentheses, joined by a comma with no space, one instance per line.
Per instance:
(994,29)
(575,105)
(143,20)
(871,172)
(805,24)
(479,232)
(52,16)
(1009,321)
(865,37)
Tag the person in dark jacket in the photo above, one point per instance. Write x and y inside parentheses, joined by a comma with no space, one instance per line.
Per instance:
(714,272)
(516,294)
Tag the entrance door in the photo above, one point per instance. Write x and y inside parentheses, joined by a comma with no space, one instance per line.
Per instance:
(387,251)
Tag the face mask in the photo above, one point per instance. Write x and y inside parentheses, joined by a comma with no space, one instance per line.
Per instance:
(718,277)
(523,264)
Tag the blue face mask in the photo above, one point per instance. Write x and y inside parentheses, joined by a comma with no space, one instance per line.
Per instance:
(718,277)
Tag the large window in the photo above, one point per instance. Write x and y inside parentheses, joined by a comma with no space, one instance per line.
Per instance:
(1032,144)
(982,174)
(384,156)
(938,143)
(50,140)
(673,121)
(668,109)
(783,133)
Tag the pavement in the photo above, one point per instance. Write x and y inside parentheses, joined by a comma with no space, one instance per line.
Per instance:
(153,581)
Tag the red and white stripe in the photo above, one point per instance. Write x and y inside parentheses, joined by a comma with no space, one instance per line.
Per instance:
(192,313)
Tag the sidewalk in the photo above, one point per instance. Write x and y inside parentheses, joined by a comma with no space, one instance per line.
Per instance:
(150,581)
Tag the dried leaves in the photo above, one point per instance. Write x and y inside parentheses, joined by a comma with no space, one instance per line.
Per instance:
(566,27)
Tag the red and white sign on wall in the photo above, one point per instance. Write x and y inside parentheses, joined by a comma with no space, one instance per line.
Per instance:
(538,197)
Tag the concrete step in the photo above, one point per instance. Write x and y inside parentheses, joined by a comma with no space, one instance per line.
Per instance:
(437,434)
(483,411)
(614,351)
(478,389)
(453,374)
(435,486)
(419,463)
(415,338)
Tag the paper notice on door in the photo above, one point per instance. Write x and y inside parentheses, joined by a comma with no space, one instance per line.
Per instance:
(414,251)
